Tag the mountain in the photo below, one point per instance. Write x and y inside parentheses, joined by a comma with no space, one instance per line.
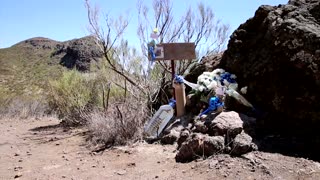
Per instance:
(26,67)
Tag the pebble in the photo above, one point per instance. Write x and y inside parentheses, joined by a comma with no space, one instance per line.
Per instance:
(122,172)
(17,175)
(17,168)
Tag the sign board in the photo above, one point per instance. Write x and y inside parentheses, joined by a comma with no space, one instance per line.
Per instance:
(175,51)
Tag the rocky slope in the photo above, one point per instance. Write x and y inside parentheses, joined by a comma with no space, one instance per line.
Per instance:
(277,55)
(76,53)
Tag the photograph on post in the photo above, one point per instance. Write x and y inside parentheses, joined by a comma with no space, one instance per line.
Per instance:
(159,52)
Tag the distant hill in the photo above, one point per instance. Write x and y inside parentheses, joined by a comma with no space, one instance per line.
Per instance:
(76,53)
(26,67)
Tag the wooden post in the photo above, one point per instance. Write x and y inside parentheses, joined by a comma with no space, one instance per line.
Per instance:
(172,77)
(180,96)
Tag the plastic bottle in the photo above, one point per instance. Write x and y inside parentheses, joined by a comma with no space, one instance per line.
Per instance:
(160,119)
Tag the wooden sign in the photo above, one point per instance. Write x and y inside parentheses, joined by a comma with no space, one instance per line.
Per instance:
(175,51)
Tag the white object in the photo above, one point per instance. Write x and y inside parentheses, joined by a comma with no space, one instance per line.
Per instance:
(244,90)
(241,99)
(192,85)
(160,119)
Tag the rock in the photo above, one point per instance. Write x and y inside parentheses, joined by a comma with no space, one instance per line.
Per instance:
(241,144)
(199,145)
(121,172)
(212,145)
(17,168)
(200,127)
(17,175)
(276,54)
(183,136)
(227,123)
(78,53)
(171,138)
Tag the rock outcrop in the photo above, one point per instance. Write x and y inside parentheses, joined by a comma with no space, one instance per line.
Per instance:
(78,53)
(277,55)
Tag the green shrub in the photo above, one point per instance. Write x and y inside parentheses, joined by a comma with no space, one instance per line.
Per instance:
(72,96)
(75,94)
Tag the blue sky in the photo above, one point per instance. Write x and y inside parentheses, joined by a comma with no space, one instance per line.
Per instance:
(63,20)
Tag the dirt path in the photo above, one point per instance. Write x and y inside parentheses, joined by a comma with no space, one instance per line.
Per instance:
(40,149)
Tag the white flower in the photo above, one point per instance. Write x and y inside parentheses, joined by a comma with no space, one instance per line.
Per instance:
(226,82)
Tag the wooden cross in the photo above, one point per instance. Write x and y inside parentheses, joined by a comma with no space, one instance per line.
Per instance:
(175,51)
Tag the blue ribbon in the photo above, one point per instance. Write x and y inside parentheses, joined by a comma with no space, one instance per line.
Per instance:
(214,104)
(172,102)
(226,76)
(178,79)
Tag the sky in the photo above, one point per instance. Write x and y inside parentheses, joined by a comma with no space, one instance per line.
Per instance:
(63,20)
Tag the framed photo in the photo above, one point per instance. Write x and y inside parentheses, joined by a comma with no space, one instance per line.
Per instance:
(159,52)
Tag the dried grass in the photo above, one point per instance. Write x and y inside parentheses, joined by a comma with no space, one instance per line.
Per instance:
(121,124)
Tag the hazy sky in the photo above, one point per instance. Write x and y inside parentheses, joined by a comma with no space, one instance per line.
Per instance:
(67,19)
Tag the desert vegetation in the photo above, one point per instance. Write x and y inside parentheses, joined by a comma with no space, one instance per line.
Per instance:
(119,93)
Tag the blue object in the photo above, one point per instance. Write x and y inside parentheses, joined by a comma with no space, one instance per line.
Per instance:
(152,53)
(214,104)
(178,79)
(172,102)
(226,76)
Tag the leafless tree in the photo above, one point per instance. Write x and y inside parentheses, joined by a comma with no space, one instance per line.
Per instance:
(198,26)
(195,25)
(109,39)
(120,58)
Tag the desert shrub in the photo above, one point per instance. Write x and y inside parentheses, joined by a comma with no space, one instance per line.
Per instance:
(76,94)
(22,107)
(71,96)
(121,124)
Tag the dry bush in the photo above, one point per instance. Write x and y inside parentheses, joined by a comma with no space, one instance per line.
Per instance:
(23,108)
(121,124)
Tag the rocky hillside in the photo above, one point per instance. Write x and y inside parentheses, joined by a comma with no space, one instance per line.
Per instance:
(27,67)
(277,55)
(76,53)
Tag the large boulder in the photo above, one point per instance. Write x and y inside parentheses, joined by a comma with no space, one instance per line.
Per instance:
(277,55)
(227,123)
